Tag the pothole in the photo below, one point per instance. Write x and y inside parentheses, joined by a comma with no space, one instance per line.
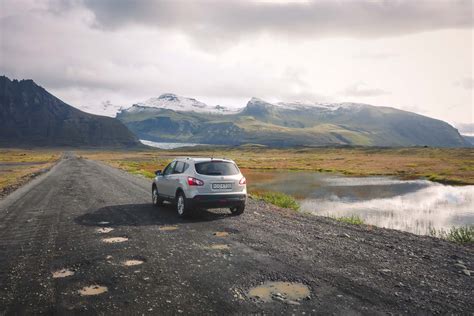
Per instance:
(104,230)
(132,262)
(114,240)
(280,291)
(221,234)
(219,247)
(168,228)
(62,273)
(92,290)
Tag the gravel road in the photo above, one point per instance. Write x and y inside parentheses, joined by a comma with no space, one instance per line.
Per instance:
(84,238)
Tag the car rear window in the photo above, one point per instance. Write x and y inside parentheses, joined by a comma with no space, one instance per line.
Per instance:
(217,168)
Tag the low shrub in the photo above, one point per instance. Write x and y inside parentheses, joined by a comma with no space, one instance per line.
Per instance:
(278,199)
(461,235)
(353,219)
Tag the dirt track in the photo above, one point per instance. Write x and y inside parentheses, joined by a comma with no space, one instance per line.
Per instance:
(52,224)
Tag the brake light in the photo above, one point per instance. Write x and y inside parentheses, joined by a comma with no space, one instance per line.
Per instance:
(194,181)
(243,181)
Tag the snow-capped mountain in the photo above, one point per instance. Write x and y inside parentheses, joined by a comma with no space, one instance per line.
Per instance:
(180,104)
(298,105)
(286,124)
(177,103)
(106,108)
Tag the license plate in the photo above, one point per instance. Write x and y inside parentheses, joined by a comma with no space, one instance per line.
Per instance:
(221,186)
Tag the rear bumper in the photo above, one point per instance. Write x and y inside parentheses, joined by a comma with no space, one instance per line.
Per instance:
(217,201)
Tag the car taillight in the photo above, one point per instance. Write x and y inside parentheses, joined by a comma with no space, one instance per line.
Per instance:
(194,181)
(243,181)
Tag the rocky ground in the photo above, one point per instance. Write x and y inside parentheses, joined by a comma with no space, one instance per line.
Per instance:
(84,238)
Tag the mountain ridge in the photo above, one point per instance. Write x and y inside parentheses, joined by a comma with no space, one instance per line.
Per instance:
(293,124)
(31,116)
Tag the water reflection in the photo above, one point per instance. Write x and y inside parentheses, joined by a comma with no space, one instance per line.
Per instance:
(415,206)
(163,145)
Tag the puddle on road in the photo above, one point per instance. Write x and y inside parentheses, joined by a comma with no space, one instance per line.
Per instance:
(133,262)
(62,273)
(221,234)
(92,290)
(282,291)
(103,223)
(114,240)
(104,230)
(219,247)
(167,228)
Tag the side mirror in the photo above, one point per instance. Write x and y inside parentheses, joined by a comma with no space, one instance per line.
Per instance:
(158,172)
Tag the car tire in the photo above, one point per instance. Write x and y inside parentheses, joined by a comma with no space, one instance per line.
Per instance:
(181,206)
(156,200)
(237,210)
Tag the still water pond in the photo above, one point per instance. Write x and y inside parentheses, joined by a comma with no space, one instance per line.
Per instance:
(415,206)
(163,145)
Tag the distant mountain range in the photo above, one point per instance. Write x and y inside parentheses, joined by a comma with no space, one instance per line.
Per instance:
(469,139)
(31,116)
(171,118)
(467,131)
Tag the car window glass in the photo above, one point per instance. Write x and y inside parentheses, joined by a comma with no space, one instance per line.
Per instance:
(169,168)
(179,167)
(216,168)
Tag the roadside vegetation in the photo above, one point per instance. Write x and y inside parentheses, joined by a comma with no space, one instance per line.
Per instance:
(277,198)
(462,235)
(17,166)
(444,165)
(353,219)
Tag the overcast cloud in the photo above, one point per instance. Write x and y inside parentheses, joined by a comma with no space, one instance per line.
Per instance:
(324,18)
(404,54)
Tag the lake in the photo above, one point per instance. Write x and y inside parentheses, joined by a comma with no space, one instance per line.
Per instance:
(162,145)
(414,205)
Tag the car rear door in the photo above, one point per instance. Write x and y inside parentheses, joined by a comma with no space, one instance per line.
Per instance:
(166,182)
(173,179)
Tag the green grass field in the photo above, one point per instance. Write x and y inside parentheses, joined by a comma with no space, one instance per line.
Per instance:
(445,165)
(18,165)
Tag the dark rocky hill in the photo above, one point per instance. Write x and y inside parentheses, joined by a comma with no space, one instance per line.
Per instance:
(31,116)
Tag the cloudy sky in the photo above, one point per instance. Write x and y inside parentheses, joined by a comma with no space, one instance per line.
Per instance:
(409,54)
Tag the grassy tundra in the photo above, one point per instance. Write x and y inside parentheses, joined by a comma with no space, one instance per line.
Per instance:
(446,165)
(17,166)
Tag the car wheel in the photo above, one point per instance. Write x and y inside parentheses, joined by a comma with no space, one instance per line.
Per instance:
(237,210)
(181,207)
(157,201)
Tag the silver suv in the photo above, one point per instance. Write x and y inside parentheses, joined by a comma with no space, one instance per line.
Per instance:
(192,183)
